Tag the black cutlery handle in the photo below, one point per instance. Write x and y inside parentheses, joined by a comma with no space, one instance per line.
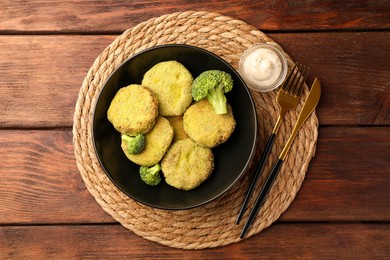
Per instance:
(259,169)
(263,193)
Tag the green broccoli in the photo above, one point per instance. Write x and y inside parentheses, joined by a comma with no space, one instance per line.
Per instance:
(150,175)
(213,84)
(135,144)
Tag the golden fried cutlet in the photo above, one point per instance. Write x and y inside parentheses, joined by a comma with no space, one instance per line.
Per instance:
(157,142)
(178,129)
(186,164)
(133,110)
(171,82)
(205,127)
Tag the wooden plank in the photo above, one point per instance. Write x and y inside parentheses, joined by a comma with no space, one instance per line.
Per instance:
(353,70)
(347,180)
(303,241)
(106,16)
(40,76)
(40,182)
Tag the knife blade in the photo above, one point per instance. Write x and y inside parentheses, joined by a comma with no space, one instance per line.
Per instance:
(311,102)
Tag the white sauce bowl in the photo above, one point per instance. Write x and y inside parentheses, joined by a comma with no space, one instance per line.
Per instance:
(263,67)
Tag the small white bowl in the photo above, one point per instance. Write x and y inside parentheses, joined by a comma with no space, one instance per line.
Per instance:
(263,67)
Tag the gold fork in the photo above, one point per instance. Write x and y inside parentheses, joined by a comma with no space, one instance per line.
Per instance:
(287,98)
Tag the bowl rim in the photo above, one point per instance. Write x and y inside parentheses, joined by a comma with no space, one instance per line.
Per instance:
(212,198)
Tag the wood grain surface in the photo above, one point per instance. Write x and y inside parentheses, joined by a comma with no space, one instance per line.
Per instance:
(342,210)
(47,192)
(317,241)
(107,16)
(356,88)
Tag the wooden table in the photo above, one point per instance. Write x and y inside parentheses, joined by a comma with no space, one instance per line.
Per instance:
(46,48)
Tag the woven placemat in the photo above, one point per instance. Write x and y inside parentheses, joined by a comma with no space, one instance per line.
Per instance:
(213,224)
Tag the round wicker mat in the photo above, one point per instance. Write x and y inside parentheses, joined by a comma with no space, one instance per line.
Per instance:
(213,224)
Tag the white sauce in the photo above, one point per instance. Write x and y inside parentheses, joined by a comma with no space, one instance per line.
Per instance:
(262,67)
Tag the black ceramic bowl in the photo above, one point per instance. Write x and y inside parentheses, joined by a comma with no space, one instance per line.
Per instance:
(231,158)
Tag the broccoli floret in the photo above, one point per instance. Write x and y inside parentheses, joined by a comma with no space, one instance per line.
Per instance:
(213,84)
(150,175)
(135,144)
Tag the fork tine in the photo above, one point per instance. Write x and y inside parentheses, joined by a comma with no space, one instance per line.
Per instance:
(294,80)
(286,83)
(304,79)
(299,88)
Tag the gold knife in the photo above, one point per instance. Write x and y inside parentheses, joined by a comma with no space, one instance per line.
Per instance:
(310,103)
